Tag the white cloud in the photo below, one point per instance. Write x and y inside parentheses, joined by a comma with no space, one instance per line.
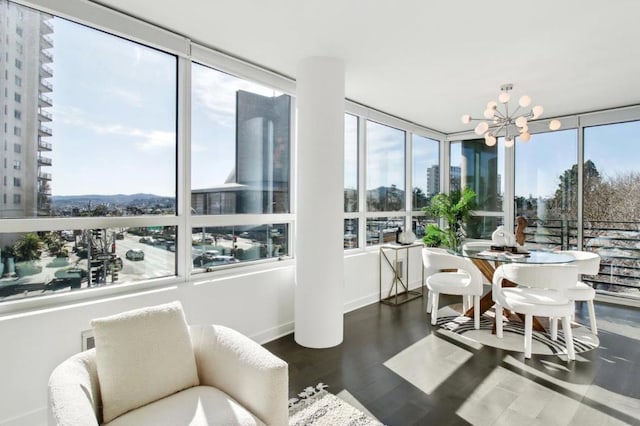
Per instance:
(144,140)
(131,98)
(215,91)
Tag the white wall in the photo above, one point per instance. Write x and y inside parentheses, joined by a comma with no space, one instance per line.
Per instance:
(259,304)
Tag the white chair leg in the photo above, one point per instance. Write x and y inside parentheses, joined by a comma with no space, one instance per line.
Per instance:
(554,328)
(465,303)
(592,317)
(498,321)
(434,308)
(568,336)
(528,331)
(476,312)
(429,302)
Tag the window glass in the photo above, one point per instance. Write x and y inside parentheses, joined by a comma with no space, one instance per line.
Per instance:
(611,205)
(106,125)
(350,163)
(546,187)
(479,167)
(351,233)
(426,171)
(41,263)
(240,134)
(385,168)
(382,230)
(218,246)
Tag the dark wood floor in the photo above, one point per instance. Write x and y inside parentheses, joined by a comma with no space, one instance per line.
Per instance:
(375,333)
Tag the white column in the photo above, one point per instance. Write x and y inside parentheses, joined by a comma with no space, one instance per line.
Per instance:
(319,304)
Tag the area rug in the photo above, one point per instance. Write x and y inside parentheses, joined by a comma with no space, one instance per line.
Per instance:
(315,406)
(451,320)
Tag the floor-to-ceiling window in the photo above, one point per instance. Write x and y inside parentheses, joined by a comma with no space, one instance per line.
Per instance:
(240,165)
(89,161)
(425,179)
(475,165)
(385,182)
(546,188)
(351,193)
(611,190)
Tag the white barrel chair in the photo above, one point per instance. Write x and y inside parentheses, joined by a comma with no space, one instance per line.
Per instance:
(465,280)
(540,292)
(588,263)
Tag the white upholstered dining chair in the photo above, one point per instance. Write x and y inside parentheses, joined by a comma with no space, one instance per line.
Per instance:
(588,263)
(540,292)
(464,279)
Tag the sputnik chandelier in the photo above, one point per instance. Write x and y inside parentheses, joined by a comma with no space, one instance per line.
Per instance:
(500,122)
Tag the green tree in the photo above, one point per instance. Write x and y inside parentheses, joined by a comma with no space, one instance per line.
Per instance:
(565,199)
(28,247)
(456,209)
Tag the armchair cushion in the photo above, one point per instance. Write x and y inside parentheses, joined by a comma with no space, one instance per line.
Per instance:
(196,406)
(142,356)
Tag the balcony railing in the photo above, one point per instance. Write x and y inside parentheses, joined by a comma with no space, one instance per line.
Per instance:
(45,115)
(46,86)
(617,243)
(44,161)
(44,176)
(47,42)
(47,56)
(46,27)
(45,101)
(44,131)
(44,146)
(46,71)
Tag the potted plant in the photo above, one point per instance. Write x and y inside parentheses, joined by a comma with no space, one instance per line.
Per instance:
(455,208)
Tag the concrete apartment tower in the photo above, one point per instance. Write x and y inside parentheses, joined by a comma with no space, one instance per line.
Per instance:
(25,66)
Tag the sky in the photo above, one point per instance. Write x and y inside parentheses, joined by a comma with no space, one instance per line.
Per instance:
(114,127)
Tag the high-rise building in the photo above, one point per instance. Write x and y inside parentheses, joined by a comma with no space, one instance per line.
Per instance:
(433,180)
(259,182)
(25,58)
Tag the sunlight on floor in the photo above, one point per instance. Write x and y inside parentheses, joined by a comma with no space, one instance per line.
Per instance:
(591,396)
(429,362)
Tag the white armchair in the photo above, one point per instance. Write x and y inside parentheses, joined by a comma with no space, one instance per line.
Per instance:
(240,383)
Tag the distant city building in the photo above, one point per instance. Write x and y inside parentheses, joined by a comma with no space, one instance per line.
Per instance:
(25,71)
(433,179)
(259,183)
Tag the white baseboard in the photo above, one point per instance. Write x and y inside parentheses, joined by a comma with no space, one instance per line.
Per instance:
(32,418)
(273,333)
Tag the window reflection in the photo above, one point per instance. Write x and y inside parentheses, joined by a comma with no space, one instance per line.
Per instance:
(215,246)
(40,263)
(241,134)
(385,168)
(350,163)
(546,188)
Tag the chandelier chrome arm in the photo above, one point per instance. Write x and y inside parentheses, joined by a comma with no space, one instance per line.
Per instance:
(507,124)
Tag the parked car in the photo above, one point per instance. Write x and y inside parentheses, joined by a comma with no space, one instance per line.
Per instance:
(134,254)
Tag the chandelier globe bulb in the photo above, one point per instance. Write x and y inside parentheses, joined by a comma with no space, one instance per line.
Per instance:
(524,101)
(554,124)
(521,121)
(466,119)
(490,139)
(481,128)
(537,111)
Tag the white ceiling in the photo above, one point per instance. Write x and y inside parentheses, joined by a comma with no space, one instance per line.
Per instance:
(431,61)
